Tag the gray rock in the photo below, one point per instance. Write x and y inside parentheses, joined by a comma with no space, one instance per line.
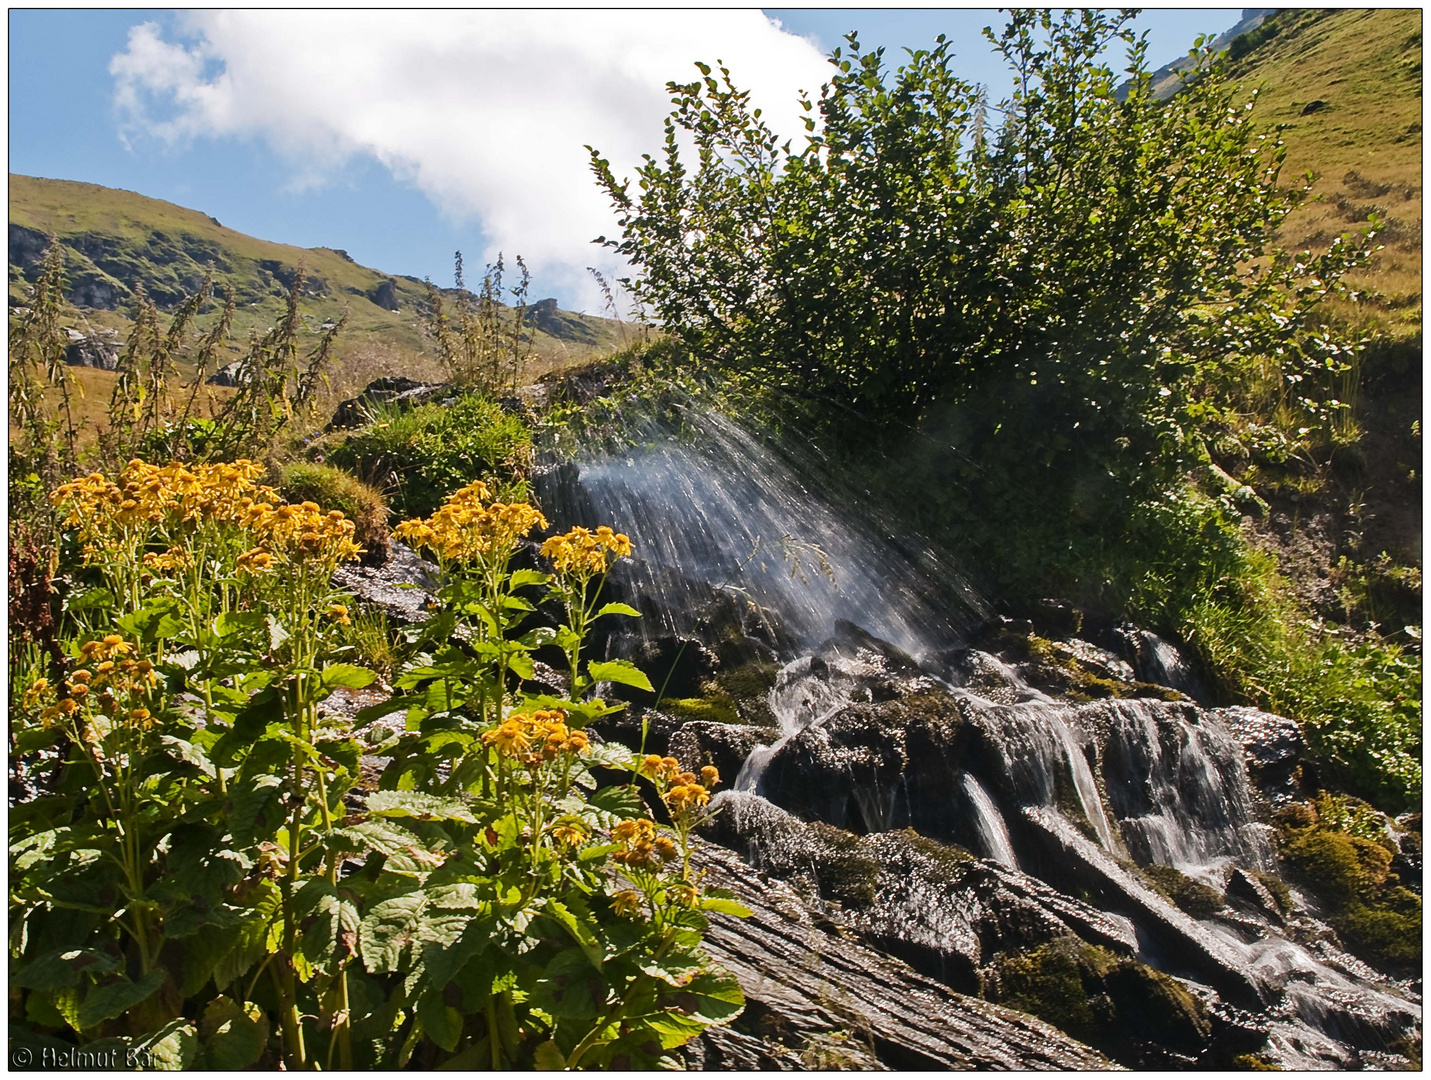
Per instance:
(810,977)
(91,351)
(391,391)
(402,587)
(1272,747)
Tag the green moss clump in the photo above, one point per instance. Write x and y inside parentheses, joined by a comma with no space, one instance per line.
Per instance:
(1375,915)
(1193,897)
(1099,998)
(717,708)
(844,872)
(1253,1063)
(333,489)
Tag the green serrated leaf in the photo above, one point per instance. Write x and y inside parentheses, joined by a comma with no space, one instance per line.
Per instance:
(725,907)
(116,998)
(549,1058)
(619,671)
(172,1048)
(347,675)
(234,1035)
(416,804)
(522,578)
(255,808)
(618,609)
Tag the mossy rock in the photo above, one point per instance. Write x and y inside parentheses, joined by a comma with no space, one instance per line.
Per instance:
(1109,1002)
(1253,1063)
(1337,867)
(334,489)
(1191,896)
(717,708)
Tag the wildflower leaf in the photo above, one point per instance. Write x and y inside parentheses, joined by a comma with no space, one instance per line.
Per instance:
(173,1047)
(577,928)
(549,1058)
(618,609)
(347,675)
(420,805)
(724,905)
(389,929)
(441,1021)
(89,599)
(620,671)
(254,808)
(522,578)
(570,987)
(152,622)
(236,622)
(234,1035)
(61,968)
(115,999)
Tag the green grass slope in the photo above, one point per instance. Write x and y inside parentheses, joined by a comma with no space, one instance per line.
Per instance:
(1346,88)
(116,239)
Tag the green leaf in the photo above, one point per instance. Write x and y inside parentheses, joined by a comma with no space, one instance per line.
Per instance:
(570,987)
(234,1035)
(417,804)
(621,801)
(116,998)
(618,609)
(577,924)
(523,578)
(725,907)
(347,675)
(255,808)
(90,599)
(549,1058)
(63,967)
(620,671)
(385,708)
(389,929)
(156,621)
(228,623)
(172,1048)
(250,943)
(441,1021)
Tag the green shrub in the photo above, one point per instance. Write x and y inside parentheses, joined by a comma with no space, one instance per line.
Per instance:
(419,455)
(332,488)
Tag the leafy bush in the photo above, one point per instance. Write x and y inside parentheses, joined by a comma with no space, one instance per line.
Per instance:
(419,455)
(203,881)
(328,485)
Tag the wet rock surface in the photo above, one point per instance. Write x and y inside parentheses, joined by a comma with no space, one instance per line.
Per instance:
(401,588)
(806,976)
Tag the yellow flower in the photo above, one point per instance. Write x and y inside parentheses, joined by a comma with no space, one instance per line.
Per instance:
(569,832)
(509,738)
(710,776)
(339,614)
(38,689)
(666,849)
(626,902)
(583,554)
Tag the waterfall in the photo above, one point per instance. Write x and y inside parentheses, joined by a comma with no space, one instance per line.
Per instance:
(989,823)
(807,692)
(717,509)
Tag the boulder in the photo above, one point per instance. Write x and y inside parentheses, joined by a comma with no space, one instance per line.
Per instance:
(93,351)
(1272,746)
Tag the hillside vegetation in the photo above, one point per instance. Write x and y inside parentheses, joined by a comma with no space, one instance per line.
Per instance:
(1345,86)
(115,240)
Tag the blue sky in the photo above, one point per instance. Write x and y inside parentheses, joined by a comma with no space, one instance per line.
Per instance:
(404,136)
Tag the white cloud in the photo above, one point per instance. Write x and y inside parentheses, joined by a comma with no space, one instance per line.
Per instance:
(486,112)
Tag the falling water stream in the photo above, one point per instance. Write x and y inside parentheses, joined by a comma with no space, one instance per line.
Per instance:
(716,511)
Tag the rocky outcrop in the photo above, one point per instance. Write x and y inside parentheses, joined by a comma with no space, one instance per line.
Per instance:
(384,294)
(91,350)
(1272,746)
(392,391)
(401,588)
(805,978)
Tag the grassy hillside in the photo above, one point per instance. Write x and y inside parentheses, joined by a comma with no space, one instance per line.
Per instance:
(1346,86)
(115,239)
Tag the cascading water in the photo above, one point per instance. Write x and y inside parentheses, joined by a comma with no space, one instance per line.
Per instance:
(989,823)
(717,513)
(718,509)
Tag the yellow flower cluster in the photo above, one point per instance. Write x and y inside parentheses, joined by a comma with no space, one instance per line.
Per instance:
(468,527)
(172,495)
(584,554)
(117,683)
(684,790)
(302,533)
(641,847)
(542,736)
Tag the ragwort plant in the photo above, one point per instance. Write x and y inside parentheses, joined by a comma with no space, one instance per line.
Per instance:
(204,881)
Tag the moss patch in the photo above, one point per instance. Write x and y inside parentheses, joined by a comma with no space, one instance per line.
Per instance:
(333,489)
(1375,915)
(1106,1001)
(1193,897)
(718,708)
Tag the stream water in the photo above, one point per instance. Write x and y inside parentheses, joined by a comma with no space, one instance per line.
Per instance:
(1140,781)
